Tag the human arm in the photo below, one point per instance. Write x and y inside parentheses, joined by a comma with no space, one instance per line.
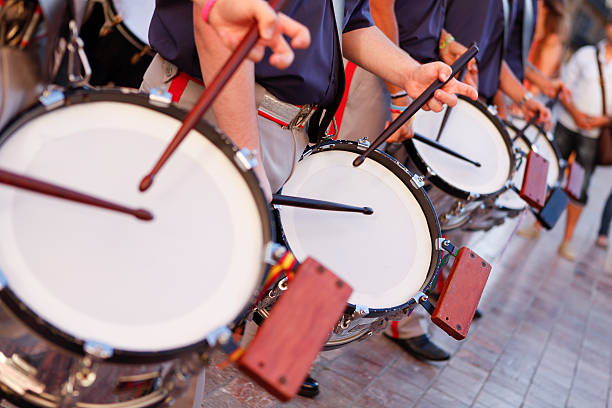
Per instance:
(231,19)
(234,108)
(549,86)
(383,14)
(372,50)
(512,87)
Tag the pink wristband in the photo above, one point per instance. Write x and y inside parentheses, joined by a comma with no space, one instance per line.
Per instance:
(206,9)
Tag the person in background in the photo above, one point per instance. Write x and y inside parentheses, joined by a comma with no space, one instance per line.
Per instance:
(604,228)
(547,48)
(581,120)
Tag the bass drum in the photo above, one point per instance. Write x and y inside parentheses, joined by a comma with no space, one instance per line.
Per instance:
(458,188)
(116,297)
(116,36)
(388,257)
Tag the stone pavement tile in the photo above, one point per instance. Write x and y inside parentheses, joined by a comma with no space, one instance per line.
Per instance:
(550,392)
(459,384)
(487,400)
(393,381)
(336,392)
(532,401)
(562,377)
(378,349)
(500,390)
(415,372)
(250,394)
(436,399)
(216,378)
(467,367)
(478,357)
(592,381)
(377,399)
(580,399)
(221,399)
(354,366)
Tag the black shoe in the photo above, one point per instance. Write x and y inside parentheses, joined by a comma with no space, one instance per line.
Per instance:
(477,314)
(310,388)
(421,347)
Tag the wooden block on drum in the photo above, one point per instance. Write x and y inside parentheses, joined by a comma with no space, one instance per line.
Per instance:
(555,205)
(575,180)
(459,298)
(280,356)
(533,190)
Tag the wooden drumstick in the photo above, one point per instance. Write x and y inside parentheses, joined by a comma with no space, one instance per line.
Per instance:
(53,190)
(209,95)
(417,104)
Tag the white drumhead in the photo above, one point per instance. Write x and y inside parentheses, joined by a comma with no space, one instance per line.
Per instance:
(471,133)
(107,277)
(136,15)
(386,256)
(544,148)
(510,199)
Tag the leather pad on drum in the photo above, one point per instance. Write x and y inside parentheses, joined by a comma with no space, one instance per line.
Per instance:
(555,205)
(533,190)
(280,356)
(575,180)
(459,298)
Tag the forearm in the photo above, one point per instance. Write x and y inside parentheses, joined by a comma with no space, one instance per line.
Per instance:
(383,13)
(510,84)
(373,51)
(536,77)
(234,108)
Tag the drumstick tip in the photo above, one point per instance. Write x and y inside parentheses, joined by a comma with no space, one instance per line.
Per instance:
(358,161)
(146,183)
(143,214)
(368,211)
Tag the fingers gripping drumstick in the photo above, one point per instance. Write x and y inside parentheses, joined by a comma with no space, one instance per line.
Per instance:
(209,95)
(417,104)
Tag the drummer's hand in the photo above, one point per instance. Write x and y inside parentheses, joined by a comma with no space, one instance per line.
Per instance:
(533,107)
(420,78)
(555,86)
(451,50)
(404,133)
(232,19)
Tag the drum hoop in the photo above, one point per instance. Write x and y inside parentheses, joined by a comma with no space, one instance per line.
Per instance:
(75,345)
(420,195)
(127,33)
(444,185)
(552,143)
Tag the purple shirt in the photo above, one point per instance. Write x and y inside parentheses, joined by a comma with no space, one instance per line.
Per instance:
(420,24)
(311,79)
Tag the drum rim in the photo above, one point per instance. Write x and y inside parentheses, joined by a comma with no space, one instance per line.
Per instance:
(443,184)
(552,143)
(129,34)
(74,345)
(425,204)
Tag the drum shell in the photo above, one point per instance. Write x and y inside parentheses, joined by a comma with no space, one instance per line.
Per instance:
(54,367)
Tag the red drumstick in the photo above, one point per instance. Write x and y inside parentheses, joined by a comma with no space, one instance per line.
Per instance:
(209,95)
(42,187)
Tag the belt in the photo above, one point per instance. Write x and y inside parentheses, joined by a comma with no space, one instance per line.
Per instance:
(284,114)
